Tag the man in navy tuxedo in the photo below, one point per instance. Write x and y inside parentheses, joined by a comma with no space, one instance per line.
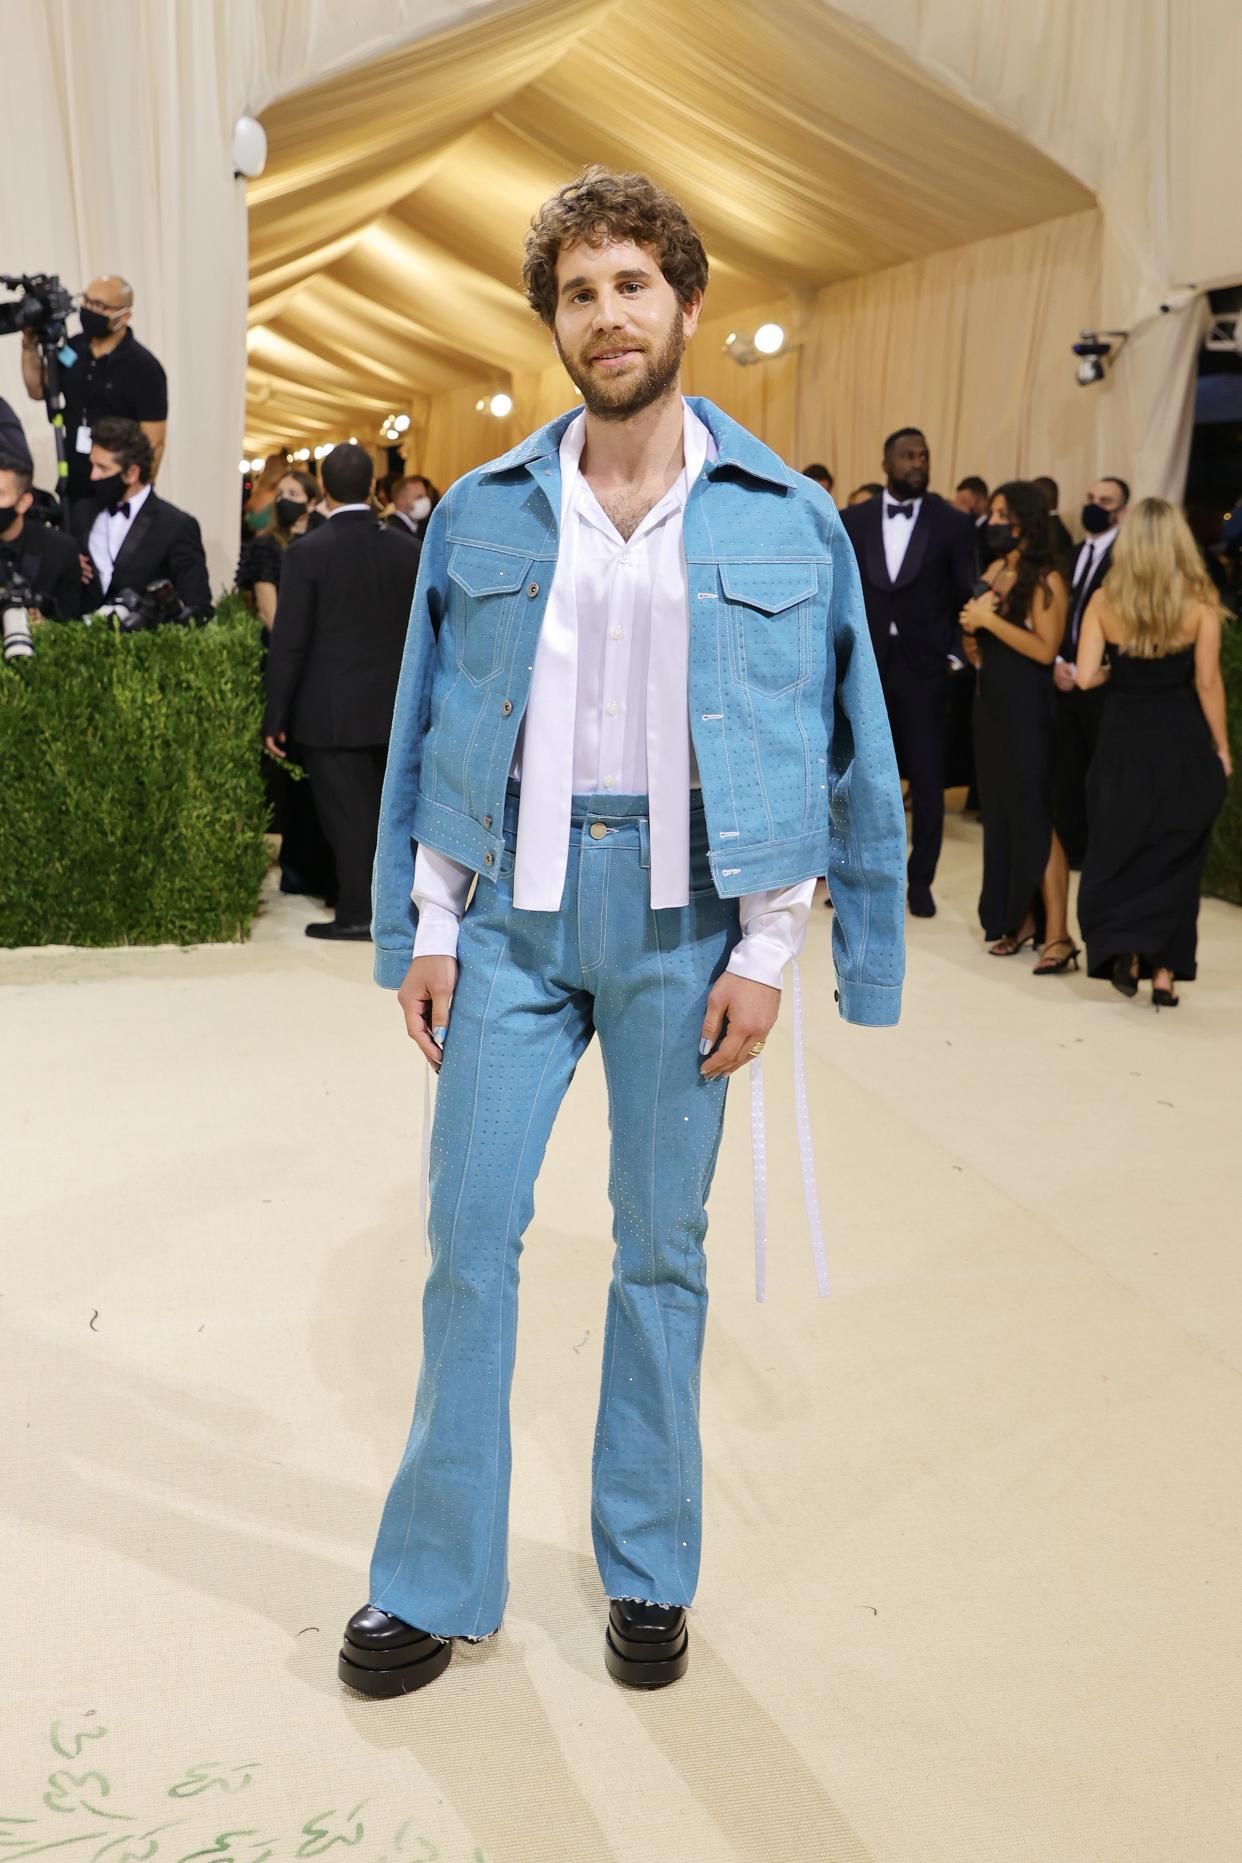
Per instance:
(916,555)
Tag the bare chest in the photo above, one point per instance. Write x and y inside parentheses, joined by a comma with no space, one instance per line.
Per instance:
(628,505)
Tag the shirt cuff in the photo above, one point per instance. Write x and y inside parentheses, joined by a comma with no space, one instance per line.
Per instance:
(773,929)
(761,959)
(435,935)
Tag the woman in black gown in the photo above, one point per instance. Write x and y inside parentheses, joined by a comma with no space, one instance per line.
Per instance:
(1161,763)
(1012,632)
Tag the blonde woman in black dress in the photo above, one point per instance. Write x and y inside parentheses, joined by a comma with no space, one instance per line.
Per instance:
(1158,776)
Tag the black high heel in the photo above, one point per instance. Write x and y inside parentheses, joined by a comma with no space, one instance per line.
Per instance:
(1163,999)
(1068,962)
(1124,975)
(1012,946)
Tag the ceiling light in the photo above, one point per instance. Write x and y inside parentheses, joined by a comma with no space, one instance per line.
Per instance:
(244,466)
(769,337)
(303,452)
(256,465)
(401,422)
(479,406)
(501,405)
(353,439)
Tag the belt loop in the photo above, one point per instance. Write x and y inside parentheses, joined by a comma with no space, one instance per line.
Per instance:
(644,842)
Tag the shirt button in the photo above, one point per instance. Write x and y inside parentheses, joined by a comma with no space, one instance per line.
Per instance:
(533,590)
(610,782)
(507,707)
(618,633)
(612,708)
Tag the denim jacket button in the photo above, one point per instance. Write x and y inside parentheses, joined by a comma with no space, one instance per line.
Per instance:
(489,858)
(533,590)
(507,707)
(487,821)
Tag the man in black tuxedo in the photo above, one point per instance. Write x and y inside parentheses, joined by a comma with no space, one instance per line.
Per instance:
(129,536)
(1076,716)
(332,670)
(973,498)
(916,556)
(44,558)
(413,501)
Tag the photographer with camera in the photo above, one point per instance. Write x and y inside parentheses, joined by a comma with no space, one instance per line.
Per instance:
(44,559)
(130,536)
(113,375)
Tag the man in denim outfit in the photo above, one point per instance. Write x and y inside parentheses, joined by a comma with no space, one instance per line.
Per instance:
(639,712)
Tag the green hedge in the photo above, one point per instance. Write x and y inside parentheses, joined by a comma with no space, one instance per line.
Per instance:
(1224,869)
(132,804)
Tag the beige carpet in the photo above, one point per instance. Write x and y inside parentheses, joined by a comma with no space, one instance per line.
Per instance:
(970,1587)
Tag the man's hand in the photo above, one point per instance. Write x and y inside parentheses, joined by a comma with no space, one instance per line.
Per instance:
(426,997)
(88,568)
(1063,676)
(275,745)
(750,1009)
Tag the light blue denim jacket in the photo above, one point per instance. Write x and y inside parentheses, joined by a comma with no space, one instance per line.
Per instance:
(786,712)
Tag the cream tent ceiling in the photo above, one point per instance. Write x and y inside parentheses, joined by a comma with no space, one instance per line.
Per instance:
(386,232)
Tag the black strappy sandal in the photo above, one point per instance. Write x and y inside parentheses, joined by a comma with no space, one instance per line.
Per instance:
(1008,946)
(1068,962)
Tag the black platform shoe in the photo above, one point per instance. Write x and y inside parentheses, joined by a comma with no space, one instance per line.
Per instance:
(383,1656)
(646,1645)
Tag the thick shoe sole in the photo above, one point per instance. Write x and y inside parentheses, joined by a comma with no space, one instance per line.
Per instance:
(382,1674)
(646,1664)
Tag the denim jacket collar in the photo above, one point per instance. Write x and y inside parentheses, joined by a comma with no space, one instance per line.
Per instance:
(735,447)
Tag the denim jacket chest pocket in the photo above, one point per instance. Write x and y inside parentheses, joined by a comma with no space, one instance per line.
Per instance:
(768,608)
(486,587)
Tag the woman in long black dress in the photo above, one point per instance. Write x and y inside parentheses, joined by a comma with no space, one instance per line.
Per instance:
(1157,778)
(1012,631)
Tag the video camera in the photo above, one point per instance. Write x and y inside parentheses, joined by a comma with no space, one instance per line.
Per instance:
(44,307)
(159,605)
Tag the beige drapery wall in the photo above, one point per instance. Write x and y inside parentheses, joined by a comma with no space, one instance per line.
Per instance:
(971,345)
(1142,129)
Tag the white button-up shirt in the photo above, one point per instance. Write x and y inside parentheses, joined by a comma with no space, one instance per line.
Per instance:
(897,532)
(609,713)
(109,532)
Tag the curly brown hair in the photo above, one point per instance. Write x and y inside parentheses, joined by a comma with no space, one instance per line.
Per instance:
(599,207)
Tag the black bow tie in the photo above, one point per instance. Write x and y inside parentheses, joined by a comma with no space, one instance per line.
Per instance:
(906,511)
(123,510)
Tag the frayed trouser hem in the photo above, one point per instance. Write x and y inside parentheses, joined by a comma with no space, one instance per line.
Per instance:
(659,1604)
(456,1636)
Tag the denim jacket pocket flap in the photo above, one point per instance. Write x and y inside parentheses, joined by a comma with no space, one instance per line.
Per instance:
(771,587)
(480,571)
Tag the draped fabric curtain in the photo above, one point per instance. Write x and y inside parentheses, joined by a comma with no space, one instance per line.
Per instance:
(913,182)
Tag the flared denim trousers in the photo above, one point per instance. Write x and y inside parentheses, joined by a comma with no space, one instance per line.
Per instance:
(532,989)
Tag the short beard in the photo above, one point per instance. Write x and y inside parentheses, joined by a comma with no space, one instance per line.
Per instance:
(608,400)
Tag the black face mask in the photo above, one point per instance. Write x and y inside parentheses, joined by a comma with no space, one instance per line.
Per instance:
(1000,539)
(1096,520)
(8,515)
(109,491)
(289,510)
(95,324)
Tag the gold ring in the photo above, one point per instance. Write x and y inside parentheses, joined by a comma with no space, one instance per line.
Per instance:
(757,1048)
